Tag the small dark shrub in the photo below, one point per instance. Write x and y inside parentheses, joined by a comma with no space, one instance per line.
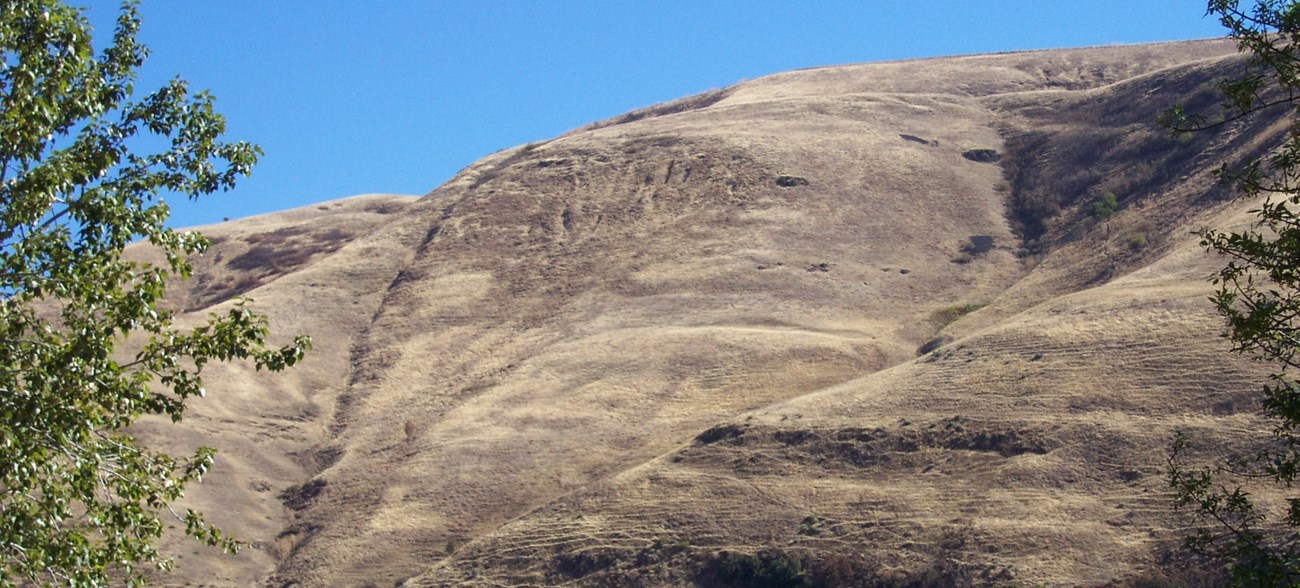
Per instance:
(949,314)
(811,525)
(298,497)
(982,155)
(769,568)
(978,245)
(718,433)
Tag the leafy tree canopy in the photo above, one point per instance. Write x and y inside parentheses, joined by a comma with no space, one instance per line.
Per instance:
(81,501)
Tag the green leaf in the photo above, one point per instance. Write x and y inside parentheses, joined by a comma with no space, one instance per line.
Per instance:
(81,501)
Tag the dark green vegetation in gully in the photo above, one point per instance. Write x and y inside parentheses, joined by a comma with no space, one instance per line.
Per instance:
(80,500)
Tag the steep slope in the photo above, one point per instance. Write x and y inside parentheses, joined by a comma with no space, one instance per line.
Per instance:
(320,270)
(609,357)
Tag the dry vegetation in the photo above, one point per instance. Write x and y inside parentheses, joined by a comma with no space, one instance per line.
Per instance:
(680,347)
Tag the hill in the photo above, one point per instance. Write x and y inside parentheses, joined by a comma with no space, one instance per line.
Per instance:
(860,316)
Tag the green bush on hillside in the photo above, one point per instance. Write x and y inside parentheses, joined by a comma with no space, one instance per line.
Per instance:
(1105,206)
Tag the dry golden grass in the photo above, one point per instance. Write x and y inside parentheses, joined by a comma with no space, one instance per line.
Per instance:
(604,358)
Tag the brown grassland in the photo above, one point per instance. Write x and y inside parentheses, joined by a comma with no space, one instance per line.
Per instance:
(860,319)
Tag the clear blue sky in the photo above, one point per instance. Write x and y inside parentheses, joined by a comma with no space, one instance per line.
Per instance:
(352,96)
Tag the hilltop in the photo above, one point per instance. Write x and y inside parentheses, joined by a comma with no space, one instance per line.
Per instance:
(862,315)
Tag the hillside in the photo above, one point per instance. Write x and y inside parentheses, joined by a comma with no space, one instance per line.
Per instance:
(860,315)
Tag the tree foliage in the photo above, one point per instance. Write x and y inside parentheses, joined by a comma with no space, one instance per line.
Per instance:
(85,346)
(1258,294)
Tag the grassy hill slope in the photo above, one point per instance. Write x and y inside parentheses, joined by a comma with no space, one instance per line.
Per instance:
(859,315)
